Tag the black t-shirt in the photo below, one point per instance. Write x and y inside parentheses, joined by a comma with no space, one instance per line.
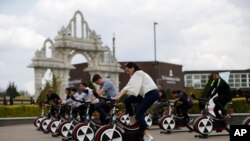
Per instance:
(184,98)
(54,98)
(221,87)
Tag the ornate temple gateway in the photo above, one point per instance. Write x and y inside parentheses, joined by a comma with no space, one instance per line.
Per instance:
(69,42)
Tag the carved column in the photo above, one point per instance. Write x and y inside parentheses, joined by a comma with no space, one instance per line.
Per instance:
(39,73)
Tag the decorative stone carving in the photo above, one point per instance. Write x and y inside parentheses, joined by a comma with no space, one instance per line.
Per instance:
(65,45)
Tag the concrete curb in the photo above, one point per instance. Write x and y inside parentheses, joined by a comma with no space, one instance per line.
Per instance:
(16,120)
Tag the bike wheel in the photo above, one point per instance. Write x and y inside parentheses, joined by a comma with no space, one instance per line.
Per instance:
(83,132)
(66,128)
(54,125)
(37,121)
(44,124)
(167,123)
(108,133)
(246,121)
(203,125)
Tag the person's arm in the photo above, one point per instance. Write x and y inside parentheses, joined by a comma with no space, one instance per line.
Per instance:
(100,91)
(214,89)
(120,94)
(133,86)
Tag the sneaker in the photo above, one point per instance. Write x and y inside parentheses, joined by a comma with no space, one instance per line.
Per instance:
(148,138)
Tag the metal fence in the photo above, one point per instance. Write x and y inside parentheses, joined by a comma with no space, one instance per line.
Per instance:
(16,101)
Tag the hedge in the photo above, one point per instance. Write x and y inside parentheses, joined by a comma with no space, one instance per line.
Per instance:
(20,111)
(239,105)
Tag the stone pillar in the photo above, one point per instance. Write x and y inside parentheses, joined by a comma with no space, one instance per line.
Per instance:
(39,73)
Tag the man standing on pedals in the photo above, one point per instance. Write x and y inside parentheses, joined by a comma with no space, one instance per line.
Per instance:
(143,92)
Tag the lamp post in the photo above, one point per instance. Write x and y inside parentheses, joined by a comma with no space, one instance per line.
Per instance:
(155,23)
(155,62)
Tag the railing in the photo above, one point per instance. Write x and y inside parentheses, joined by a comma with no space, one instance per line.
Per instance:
(16,101)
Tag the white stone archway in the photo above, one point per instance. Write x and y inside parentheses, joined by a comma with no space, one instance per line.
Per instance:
(65,46)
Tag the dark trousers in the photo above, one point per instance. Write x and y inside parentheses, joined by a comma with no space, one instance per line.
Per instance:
(82,111)
(142,105)
(183,109)
(103,109)
(220,102)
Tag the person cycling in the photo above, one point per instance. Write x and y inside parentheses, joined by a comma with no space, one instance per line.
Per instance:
(157,107)
(142,91)
(54,100)
(186,103)
(107,89)
(220,87)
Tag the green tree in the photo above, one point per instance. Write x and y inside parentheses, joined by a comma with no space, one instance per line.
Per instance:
(54,84)
(207,87)
(2,94)
(12,90)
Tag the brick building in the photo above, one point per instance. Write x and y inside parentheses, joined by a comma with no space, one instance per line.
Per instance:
(170,75)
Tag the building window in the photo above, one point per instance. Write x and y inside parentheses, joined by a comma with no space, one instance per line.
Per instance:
(248,80)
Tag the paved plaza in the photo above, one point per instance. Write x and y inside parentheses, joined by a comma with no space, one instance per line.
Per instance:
(28,132)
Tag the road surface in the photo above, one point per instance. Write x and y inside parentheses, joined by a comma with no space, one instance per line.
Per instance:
(28,132)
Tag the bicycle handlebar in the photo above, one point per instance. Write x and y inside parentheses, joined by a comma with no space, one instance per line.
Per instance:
(102,97)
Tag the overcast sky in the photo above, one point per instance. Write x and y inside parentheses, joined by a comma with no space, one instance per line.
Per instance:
(198,34)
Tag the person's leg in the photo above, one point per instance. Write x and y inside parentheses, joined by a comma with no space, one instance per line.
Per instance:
(129,102)
(178,110)
(102,108)
(53,110)
(217,107)
(142,107)
(224,101)
(129,106)
(75,112)
(82,111)
(184,110)
(63,110)
(91,110)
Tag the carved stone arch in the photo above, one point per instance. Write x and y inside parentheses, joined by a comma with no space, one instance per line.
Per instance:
(45,43)
(86,32)
(85,54)
(65,46)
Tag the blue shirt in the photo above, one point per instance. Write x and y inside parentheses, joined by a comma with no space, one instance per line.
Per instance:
(109,88)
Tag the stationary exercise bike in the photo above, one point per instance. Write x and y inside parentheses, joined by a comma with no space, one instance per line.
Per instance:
(171,121)
(85,131)
(65,129)
(63,116)
(207,122)
(51,115)
(37,121)
(126,120)
(117,130)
